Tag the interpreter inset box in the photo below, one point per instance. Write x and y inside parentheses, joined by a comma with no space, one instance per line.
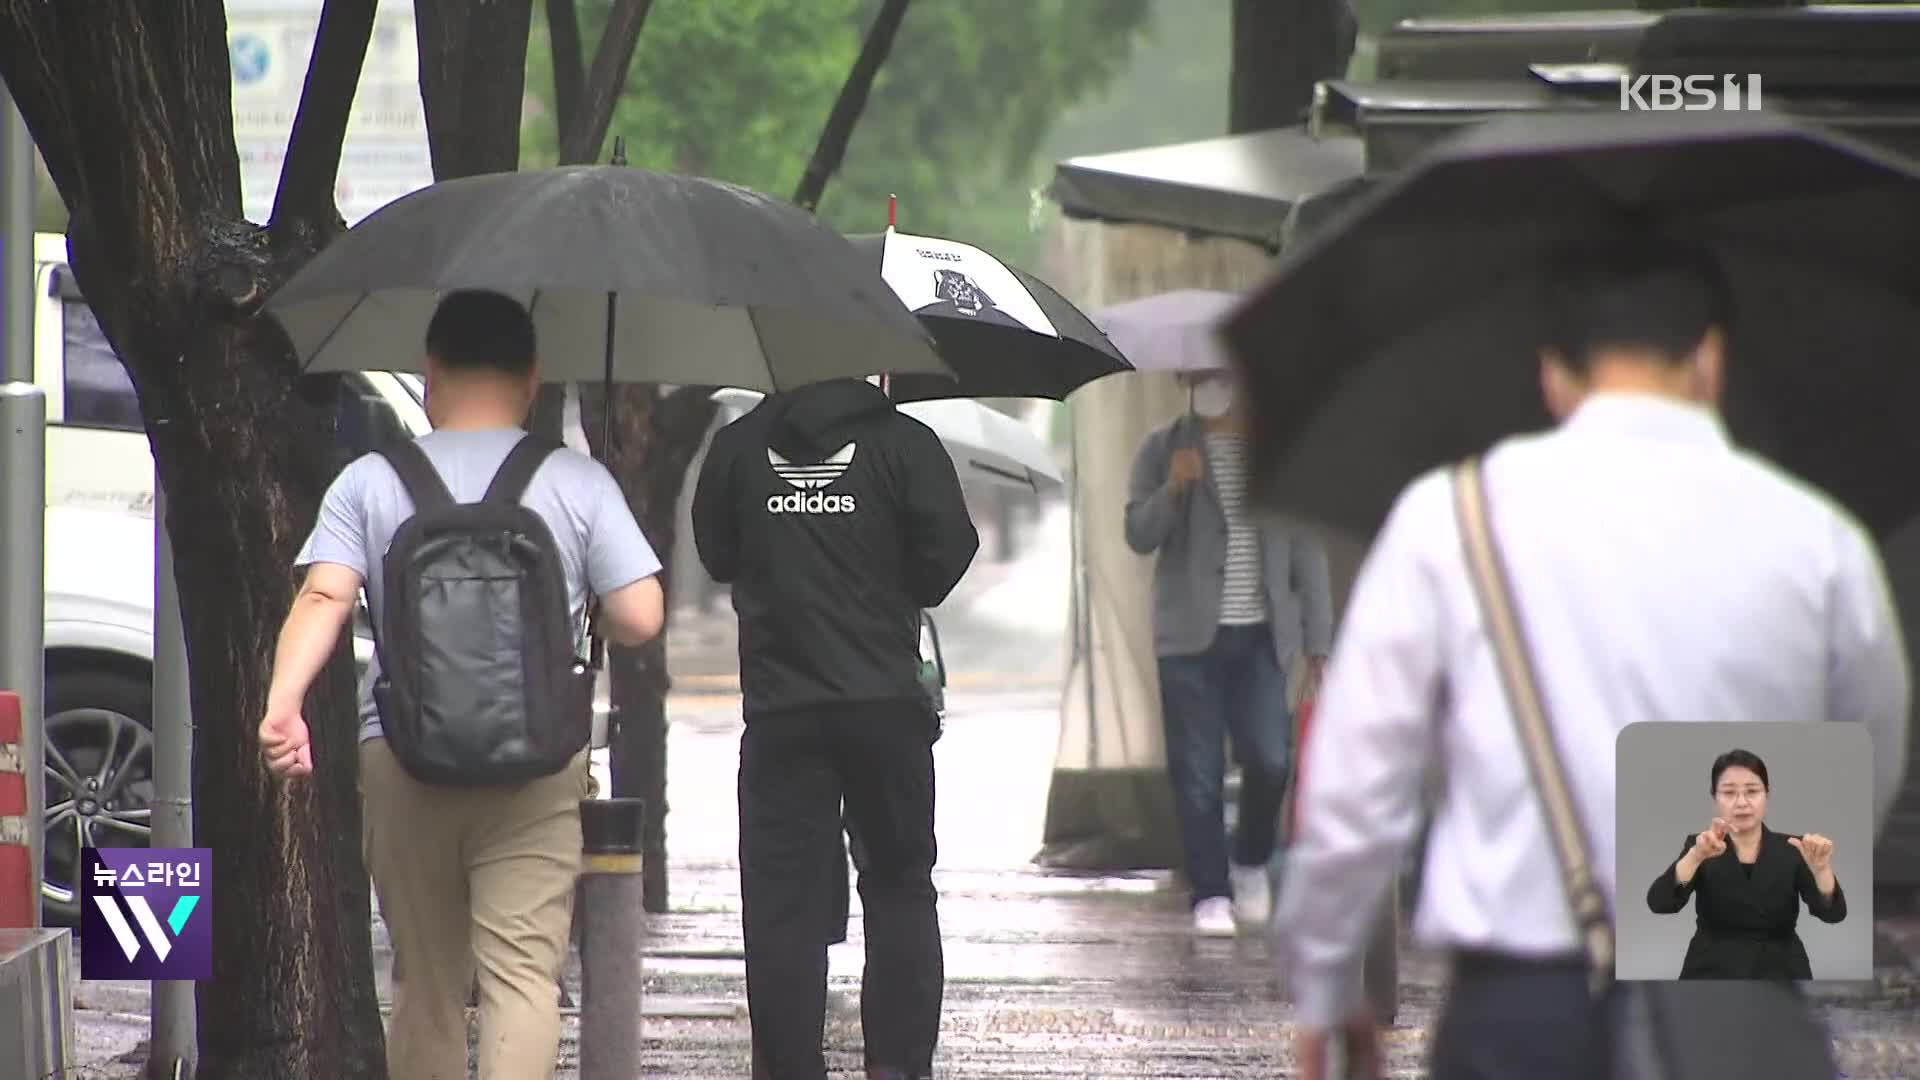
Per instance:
(1743,851)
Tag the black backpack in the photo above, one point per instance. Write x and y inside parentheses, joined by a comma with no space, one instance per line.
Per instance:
(479,681)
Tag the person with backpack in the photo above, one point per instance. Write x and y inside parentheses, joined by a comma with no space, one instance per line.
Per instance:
(836,520)
(478,546)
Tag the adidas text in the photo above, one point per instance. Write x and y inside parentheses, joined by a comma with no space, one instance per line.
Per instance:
(809,503)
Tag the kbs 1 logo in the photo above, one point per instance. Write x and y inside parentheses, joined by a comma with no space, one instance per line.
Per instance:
(146,914)
(1692,93)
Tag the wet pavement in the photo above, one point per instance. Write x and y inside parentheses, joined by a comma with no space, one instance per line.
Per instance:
(1048,975)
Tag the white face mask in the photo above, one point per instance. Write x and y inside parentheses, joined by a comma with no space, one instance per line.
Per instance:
(1213,398)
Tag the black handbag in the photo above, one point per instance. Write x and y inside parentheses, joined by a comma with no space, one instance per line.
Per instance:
(1694,1030)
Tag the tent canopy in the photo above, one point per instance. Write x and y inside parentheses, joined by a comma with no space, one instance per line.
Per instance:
(1239,186)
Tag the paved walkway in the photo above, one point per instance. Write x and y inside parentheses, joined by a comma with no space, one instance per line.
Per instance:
(1048,976)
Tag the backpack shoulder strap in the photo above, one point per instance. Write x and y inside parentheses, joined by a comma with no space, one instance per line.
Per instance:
(525,459)
(417,473)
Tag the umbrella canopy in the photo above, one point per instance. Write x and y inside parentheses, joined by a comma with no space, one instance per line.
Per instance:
(630,275)
(1170,331)
(986,445)
(1405,333)
(1004,332)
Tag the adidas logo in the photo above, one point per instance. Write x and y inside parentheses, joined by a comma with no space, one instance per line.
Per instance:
(808,482)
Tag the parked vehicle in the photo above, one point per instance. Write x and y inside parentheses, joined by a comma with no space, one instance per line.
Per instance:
(99,567)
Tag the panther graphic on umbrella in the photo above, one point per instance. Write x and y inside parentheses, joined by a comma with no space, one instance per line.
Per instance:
(960,295)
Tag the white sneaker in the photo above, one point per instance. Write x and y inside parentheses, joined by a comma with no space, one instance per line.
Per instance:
(1252,895)
(1213,917)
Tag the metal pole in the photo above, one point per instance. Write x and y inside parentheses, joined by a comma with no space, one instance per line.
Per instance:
(23,596)
(172,1055)
(613,938)
(16,246)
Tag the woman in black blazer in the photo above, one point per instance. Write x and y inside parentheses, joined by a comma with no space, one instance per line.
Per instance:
(1749,882)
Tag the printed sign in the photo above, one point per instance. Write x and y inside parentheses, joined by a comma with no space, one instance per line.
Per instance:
(1694,93)
(146,914)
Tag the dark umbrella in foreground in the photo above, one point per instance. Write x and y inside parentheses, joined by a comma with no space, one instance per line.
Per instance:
(1404,335)
(630,275)
(1004,332)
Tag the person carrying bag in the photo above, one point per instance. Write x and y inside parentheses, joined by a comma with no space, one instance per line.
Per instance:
(1734,1030)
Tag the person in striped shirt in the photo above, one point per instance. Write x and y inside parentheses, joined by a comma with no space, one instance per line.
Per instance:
(1235,599)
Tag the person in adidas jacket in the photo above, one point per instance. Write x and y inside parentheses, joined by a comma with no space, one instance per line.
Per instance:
(836,520)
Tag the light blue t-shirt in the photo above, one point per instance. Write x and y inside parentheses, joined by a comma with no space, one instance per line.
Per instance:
(601,546)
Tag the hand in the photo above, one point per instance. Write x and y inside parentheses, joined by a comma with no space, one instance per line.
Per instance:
(1816,849)
(284,742)
(1184,468)
(1362,1038)
(1712,840)
(1316,677)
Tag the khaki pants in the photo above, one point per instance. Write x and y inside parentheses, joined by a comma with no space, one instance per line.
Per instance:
(473,881)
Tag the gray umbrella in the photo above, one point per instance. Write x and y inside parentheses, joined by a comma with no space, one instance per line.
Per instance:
(1170,331)
(631,276)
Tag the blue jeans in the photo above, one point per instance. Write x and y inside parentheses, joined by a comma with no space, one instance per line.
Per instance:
(1234,688)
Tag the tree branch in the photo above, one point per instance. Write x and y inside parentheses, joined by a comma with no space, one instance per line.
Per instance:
(305,201)
(473,74)
(832,147)
(139,186)
(580,142)
(569,69)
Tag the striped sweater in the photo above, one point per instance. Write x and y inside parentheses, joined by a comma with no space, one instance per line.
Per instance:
(1243,597)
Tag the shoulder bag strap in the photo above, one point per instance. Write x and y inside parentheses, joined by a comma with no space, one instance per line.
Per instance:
(1518,673)
(417,474)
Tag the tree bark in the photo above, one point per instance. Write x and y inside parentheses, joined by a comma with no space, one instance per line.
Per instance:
(176,277)
(838,132)
(1281,48)
(605,80)
(473,73)
(656,436)
(569,71)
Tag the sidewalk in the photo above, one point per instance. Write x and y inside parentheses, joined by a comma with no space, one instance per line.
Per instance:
(1047,976)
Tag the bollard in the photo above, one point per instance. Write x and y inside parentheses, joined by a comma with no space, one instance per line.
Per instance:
(19,904)
(23,593)
(612,938)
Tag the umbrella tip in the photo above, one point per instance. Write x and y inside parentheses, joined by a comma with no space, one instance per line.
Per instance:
(893,209)
(619,150)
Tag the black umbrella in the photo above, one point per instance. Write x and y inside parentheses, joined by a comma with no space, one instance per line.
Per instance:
(630,275)
(1004,332)
(1404,334)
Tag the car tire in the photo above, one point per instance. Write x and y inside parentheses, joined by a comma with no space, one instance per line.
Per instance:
(85,709)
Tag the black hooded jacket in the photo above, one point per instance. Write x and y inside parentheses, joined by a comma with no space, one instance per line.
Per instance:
(836,520)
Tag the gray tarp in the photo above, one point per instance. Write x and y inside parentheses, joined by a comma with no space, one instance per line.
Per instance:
(1238,186)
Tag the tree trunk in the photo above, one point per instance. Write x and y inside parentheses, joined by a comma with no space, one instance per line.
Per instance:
(1281,48)
(473,76)
(838,132)
(656,436)
(176,278)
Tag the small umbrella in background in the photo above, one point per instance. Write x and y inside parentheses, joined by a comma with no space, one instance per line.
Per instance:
(1404,335)
(1172,331)
(1002,331)
(986,445)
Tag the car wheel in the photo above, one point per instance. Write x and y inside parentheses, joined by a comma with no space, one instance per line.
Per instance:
(99,784)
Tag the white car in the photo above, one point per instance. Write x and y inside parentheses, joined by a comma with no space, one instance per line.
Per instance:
(99,566)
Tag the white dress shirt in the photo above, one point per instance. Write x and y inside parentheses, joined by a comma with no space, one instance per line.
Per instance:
(1661,574)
